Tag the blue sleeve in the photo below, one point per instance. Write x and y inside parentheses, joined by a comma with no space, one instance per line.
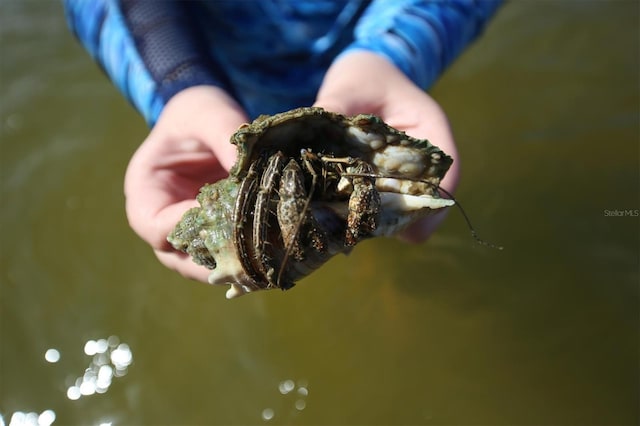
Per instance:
(421,37)
(146,48)
(152,49)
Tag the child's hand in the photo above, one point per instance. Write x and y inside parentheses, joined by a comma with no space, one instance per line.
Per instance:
(188,147)
(364,82)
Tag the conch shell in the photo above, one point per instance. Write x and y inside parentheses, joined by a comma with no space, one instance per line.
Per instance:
(308,184)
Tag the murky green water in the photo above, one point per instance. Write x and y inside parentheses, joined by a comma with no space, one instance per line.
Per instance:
(545,109)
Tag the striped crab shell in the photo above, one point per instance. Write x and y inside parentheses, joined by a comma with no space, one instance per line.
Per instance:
(308,184)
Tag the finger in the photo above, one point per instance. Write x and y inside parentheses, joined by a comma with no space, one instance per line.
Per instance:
(183,264)
(160,187)
(160,224)
(332,107)
(421,230)
(346,107)
(226,153)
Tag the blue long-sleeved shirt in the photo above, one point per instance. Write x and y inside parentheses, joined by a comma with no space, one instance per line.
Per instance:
(270,55)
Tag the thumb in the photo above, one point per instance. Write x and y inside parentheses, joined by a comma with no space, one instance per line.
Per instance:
(346,105)
(333,106)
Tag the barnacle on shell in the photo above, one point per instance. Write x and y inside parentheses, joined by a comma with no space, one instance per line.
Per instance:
(308,184)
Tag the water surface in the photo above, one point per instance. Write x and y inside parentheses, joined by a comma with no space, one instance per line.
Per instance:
(545,110)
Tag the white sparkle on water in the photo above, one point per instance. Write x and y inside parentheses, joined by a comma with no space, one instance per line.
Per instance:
(19,418)
(267,414)
(110,359)
(52,355)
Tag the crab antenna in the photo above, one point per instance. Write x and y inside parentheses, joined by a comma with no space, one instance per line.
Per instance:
(474,234)
(472,230)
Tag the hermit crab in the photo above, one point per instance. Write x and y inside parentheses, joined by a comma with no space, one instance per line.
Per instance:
(308,184)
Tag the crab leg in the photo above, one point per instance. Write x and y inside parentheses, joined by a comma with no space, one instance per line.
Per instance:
(298,226)
(246,197)
(364,205)
(261,220)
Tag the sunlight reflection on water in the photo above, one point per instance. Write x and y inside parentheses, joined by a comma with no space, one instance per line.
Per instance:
(19,418)
(110,358)
(297,391)
(52,355)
